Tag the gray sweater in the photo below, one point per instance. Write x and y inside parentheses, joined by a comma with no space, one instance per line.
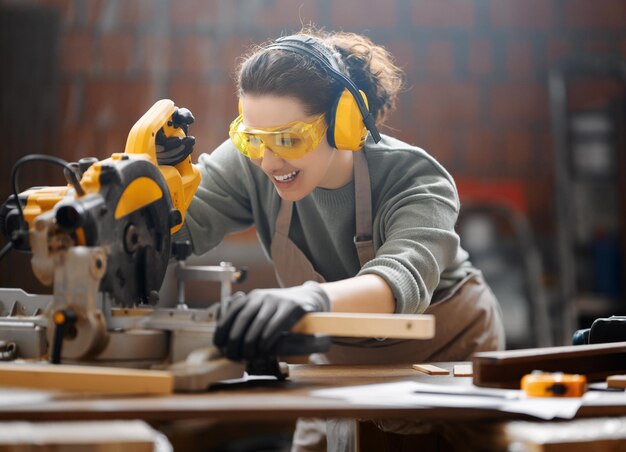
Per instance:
(414,208)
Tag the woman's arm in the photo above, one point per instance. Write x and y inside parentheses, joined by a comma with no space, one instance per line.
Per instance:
(221,204)
(256,321)
(366,293)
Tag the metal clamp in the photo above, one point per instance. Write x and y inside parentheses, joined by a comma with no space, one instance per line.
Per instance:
(225,273)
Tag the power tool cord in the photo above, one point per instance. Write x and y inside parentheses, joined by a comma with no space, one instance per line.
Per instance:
(69,173)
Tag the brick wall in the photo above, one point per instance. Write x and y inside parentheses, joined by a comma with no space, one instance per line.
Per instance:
(476,71)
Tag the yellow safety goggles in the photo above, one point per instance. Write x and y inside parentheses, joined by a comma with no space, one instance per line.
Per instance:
(290,142)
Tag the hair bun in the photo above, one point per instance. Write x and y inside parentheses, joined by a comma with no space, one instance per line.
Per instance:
(371,67)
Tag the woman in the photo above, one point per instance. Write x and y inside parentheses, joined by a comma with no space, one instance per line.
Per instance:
(353,222)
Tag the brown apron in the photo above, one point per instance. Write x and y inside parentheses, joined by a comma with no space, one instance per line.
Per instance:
(467,315)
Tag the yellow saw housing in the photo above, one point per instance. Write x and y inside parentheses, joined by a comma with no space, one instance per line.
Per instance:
(182,179)
(128,204)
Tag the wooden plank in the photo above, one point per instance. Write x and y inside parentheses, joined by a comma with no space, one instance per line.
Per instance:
(430,369)
(107,380)
(576,435)
(463,370)
(506,369)
(103,436)
(396,326)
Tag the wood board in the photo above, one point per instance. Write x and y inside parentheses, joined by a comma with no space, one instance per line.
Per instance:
(396,326)
(463,370)
(505,369)
(616,381)
(430,369)
(92,379)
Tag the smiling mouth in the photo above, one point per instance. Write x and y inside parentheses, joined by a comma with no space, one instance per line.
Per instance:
(285,178)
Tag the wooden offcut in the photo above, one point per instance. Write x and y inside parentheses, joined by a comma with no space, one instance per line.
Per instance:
(92,379)
(463,370)
(396,326)
(101,436)
(430,369)
(616,381)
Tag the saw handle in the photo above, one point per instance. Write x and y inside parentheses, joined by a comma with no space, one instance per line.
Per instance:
(64,320)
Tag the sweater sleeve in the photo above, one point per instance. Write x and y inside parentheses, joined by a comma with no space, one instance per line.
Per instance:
(414,236)
(221,204)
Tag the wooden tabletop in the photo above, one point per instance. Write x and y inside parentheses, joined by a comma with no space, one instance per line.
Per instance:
(263,400)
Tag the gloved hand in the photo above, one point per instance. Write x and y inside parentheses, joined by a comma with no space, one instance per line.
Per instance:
(254,322)
(173,150)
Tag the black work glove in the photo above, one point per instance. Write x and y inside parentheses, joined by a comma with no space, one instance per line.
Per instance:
(173,150)
(254,322)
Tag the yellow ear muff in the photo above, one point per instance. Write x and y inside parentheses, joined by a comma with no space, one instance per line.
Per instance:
(346,130)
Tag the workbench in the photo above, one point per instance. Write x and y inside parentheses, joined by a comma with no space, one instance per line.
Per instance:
(260,401)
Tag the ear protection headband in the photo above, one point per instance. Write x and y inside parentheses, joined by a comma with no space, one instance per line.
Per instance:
(349,118)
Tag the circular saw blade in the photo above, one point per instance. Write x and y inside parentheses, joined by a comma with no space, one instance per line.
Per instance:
(134,229)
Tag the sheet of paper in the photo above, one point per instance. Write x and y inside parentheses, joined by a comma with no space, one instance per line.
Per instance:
(467,390)
(431,400)
(409,394)
(404,387)
(414,394)
(13,396)
(605,398)
(545,407)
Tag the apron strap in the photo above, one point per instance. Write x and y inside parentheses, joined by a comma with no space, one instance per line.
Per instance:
(283,220)
(291,266)
(289,259)
(363,200)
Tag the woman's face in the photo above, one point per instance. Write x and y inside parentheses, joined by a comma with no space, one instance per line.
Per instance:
(294,179)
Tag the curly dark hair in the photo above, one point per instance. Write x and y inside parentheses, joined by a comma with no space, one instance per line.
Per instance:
(371,67)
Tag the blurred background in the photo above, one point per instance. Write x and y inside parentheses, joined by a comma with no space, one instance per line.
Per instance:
(522,101)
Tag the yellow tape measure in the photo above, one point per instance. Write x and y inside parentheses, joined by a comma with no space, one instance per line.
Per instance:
(557,384)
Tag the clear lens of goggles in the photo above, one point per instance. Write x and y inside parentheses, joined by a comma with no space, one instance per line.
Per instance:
(290,142)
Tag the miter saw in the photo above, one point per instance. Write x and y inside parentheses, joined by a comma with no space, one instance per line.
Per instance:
(104,242)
